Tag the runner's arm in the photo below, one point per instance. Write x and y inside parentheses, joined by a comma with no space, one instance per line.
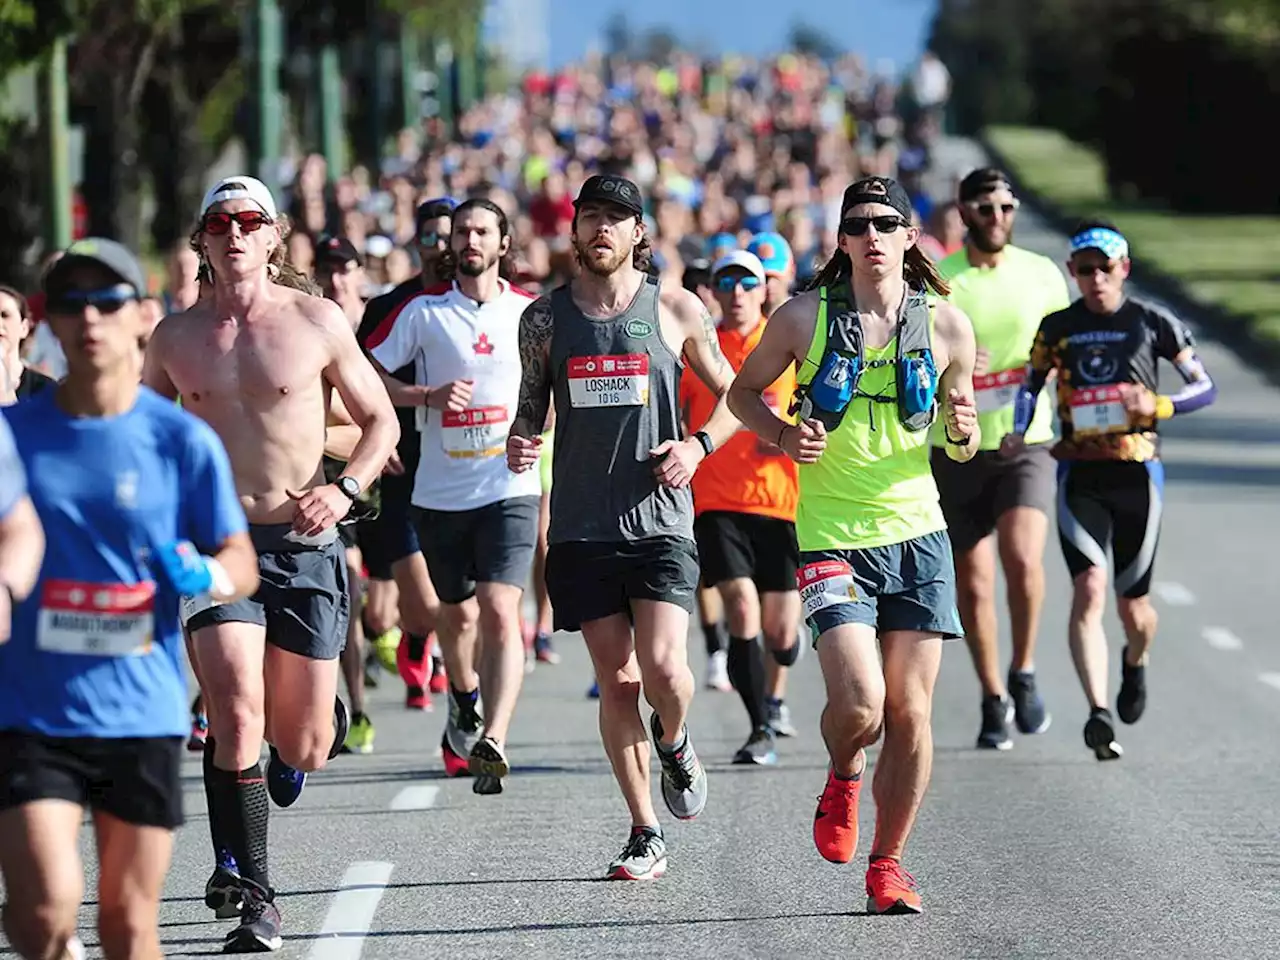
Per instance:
(21,536)
(1200,390)
(393,344)
(1039,366)
(536,325)
(341,434)
(701,350)
(154,375)
(357,383)
(792,323)
(955,328)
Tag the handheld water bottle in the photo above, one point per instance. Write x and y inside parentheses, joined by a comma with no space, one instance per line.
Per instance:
(832,389)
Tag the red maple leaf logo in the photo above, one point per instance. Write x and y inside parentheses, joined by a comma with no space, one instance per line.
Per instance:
(482,346)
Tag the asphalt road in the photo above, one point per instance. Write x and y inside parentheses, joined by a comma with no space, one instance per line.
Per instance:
(1171,852)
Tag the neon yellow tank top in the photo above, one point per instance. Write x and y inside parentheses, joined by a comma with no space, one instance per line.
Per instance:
(873,485)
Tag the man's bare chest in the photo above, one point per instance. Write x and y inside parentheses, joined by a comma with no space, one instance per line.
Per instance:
(262,364)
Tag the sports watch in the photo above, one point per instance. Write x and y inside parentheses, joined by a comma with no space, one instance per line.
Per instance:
(349,486)
(703,438)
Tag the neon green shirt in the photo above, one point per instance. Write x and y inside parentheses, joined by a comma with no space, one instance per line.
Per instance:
(1006,305)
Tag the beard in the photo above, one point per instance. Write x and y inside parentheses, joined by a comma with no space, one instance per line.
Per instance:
(474,268)
(990,239)
(601,266)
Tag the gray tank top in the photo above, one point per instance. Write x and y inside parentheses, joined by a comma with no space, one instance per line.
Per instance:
(616,385)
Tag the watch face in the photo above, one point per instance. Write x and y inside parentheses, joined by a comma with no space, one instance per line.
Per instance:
(349,486)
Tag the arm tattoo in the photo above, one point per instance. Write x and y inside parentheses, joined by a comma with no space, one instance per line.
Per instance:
(536,325)
(712,339)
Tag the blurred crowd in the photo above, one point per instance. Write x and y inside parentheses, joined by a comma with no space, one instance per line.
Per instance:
(731,153)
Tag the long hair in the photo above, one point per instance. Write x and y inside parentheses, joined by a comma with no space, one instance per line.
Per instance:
(279,267)
(24,313)
(918,269)
(641,253)
(447,265)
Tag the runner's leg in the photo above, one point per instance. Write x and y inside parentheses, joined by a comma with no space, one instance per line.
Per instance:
(43,876)
(779,619)
(132,863)
(501,656)
(352,659)
(1137,538)
(661,631)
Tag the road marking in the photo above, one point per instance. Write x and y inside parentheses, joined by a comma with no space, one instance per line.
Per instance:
(1174,594)
(420,796)
(1270,679)
(1220,638)
(351,914)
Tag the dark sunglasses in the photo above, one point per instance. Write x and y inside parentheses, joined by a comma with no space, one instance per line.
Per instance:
(727,283)
(988,210)
(858,226)
(433,238)
(1089,269)
(106,300)
(250,221)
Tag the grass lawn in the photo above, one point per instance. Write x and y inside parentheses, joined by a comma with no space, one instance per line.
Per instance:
(1230,261)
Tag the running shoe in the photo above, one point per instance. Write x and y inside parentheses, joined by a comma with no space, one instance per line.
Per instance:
(223,893)
(259,930)
(199,732)
(684,781)
(543,650)
(463,726)
(1100,735)
(488,764)
(454,765)
(360,736)
(779,717)
(386,646)
(284,783)
(997,714)
(372,667)
(643,858)
(530,657)
(593,691)
(1131,702)
(439,682)
(835,822)
(414,675)
(1029,711)
(890,889)
(759,749)
(718,672)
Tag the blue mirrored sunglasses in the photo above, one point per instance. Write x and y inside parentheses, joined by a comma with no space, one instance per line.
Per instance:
(106,300)
(727,282)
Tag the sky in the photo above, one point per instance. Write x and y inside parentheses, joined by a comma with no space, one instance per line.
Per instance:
(878,29)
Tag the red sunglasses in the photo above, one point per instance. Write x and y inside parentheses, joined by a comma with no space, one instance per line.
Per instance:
(220,223)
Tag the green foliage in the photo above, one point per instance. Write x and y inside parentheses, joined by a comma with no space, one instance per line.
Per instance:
(28,27)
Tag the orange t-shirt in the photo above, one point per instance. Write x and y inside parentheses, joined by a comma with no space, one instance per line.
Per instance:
(747,474)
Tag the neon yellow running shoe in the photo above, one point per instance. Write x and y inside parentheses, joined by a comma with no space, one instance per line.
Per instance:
(385,646)
(360,736)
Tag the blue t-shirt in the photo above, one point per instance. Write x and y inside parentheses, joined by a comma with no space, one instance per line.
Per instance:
(13,478)
(97,650)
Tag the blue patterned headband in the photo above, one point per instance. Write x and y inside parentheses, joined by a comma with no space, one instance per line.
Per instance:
(1109,242)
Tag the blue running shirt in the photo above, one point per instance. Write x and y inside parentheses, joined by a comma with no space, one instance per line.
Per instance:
(97,648)
(13,478)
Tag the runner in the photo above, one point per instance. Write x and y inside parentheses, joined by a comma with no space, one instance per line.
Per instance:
(744,499)
(477,523)
(17,380)
(1105,348)
(257,361)
(392,552)
(874,348)
(93,709)
(779,267)
(996,504)
(610,345)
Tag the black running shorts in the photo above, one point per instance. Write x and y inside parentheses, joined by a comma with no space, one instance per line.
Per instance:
(735,546)
(301,599)
(391,536)
(976,494)
(134,779)
(489,544)
(589,580)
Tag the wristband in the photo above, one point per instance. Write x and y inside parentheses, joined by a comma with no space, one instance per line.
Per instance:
(707,446)
(963,441)
(222,588)
(783,432)
(1164,407)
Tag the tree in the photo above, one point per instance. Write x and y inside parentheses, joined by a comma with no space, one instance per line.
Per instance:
(813,41)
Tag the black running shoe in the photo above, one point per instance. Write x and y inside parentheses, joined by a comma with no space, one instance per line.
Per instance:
(1029,711)
(1100,735)
(997,714)
(259,930)
(759,749)
(1131,702)
(222,893)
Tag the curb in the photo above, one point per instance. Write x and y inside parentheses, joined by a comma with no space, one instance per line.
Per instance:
(1217,323)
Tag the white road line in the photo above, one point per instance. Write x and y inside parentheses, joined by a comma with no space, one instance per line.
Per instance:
(351,913)
(1174,594)
(1270,679)
(1220,638)
(420,796)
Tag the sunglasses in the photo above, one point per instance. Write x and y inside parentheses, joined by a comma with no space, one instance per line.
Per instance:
(858,226)
(433,238)
(250,221)
(727,284)
(106,300)
(988,210)
(1089,269)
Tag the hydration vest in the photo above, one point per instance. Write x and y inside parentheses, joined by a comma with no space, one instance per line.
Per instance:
(836,383)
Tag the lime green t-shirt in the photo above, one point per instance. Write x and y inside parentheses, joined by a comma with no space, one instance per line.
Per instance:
(873,485)
(1006,305)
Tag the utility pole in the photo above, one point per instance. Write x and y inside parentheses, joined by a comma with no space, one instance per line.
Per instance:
(265,44)
(57,204)
(331,133)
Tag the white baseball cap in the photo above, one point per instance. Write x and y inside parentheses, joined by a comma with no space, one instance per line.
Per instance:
(241,188)
(740,258)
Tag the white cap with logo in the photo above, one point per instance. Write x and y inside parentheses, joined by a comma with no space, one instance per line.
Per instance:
(740,258)
(241,188)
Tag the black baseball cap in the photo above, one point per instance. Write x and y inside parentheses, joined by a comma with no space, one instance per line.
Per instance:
(884,190)
(338,252)
(609,188)
(107,253)
(433,210)
(982,181)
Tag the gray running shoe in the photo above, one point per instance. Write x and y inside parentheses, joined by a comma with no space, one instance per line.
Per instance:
(643,858)
(759,749)
(684,781)
(462,729)
(779,717)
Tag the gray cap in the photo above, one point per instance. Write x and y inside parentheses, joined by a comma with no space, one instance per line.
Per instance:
(114,256)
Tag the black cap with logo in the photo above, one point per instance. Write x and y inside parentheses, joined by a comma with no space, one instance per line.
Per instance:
(883,190)
(337,252)
(608,188)
(982,181)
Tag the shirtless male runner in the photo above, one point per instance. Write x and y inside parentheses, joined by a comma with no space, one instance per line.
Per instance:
(257,361)
(610,345)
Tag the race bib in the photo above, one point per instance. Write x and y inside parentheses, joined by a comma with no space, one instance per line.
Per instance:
(478,432)
(1098,410)
(96,619)
(620,381)
(995,391)
(825,583)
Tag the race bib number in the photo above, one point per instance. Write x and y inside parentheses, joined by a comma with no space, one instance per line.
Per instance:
(995,391)
(826,583)
(1098,410)
(478,432)
(96,619)
(620,381)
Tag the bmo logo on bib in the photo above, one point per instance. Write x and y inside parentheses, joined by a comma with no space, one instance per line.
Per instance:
(609,381)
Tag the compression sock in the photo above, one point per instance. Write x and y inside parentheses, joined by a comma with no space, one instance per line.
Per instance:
(746,672)
(417,647)
(716,636)
(217,813)
(242,799)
